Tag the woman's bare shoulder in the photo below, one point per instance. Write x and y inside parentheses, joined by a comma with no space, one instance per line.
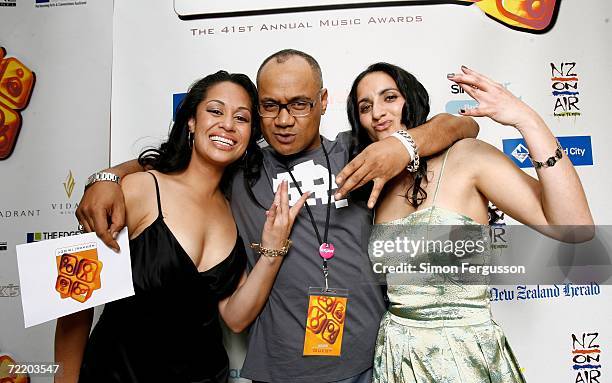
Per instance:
(140,200)
(471,149)
(138,184)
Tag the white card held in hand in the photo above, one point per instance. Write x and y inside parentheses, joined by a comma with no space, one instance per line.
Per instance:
(65,275)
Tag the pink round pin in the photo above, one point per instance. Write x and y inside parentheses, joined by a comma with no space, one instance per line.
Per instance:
(326,251)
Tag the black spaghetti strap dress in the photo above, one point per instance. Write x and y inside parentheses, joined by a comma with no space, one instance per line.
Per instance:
(169,331)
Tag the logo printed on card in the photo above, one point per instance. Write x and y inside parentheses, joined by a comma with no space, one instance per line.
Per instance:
(78,271)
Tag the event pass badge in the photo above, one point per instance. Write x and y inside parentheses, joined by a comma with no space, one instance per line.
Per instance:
(325,321)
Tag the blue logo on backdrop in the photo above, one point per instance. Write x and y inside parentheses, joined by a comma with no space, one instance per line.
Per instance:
(577,148)
(177,98)
(452,107)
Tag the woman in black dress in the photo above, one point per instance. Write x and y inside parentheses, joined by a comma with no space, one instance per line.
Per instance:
(188,260)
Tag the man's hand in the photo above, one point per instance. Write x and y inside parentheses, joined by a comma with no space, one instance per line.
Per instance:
(380,162)
(101,205)
(385,159)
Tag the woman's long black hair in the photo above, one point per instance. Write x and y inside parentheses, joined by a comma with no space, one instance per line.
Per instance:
(414,113)
(175,153)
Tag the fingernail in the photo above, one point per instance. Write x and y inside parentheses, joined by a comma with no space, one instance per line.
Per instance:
(337,196)
(338,180)
(464,67)
(115,234)
(450,75)
(116,250)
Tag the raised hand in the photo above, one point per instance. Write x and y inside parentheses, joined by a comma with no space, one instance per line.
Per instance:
(280,218)
(494,100)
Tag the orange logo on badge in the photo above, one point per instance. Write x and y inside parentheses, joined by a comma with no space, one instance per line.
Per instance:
(16,84)
(325,325)
(78,274)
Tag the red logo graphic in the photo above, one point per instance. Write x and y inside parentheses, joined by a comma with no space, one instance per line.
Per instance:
(6,373)
(16,84)
(529,15)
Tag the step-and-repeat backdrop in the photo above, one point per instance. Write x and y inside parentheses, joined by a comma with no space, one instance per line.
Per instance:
(55,89)
(553,54)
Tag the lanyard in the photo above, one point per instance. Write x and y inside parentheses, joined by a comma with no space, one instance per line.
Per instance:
(326,249)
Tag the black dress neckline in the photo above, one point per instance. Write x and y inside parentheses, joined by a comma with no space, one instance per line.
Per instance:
(181,249)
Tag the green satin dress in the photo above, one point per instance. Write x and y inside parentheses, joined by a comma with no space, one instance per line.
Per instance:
(438,329)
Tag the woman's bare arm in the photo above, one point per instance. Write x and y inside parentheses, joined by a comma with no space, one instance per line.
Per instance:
(71,334)
(554,203)
(243,306)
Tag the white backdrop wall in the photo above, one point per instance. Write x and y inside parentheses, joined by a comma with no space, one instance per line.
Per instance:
(159,48)
(65,131)
(158,54)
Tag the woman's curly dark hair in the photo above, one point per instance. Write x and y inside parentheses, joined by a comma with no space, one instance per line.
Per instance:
(175,153)
(414,113)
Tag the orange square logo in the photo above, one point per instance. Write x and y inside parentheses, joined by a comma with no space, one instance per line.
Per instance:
(6,372)
(10,123)
(16,85)
(78,273)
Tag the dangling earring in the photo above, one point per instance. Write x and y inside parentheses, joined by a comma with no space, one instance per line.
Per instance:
(244,156)
(190,138)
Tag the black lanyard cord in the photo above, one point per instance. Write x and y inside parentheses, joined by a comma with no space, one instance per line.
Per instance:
(312,220)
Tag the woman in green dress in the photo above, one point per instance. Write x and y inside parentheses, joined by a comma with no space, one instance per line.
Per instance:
(439,328)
